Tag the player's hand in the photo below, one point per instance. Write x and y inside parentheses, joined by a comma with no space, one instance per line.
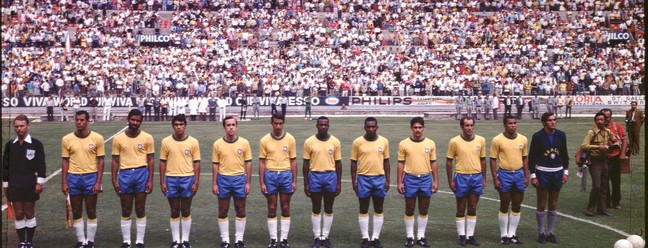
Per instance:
(387,186)
(535,182)
(452,186)
(248,187)
(97,188)
(65,188)
(483,182)
(38,189)
(264,189)
(307,190)
(564,179)
(401,188)
(294,186)
(497,184)
(435,187)
(355,187)
(338,189)
(194,188)
(526,182)
(149,187)
(215,189)
(164,188)
(117,188)
(623,156)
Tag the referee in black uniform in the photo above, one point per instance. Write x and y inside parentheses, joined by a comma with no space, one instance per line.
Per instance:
(23,158)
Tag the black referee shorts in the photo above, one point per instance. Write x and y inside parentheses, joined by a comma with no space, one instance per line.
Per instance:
(22,194)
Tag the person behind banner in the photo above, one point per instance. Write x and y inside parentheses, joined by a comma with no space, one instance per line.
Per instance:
(634,121)
(23,176)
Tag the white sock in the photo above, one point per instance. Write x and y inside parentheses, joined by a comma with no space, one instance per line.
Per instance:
(363,220)
(272,228)
(240,228)
(20,224)
(409,226)
(328,221)
(186,228)
(223,226)
(175,229)
(461,225)
(470,227)
(79,230)
(92,229)
(141,230)
(285,227)
(378,220)
(503,219)
(514,221)
(422,222)
(316,220)
(126,229)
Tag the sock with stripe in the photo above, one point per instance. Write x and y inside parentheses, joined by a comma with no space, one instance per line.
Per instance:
(514,220)
(126,229)
(272,228)
(316,220)
(503,219)
(421,221)
(285,227)
(240,228)
(141,230)
(21,229)
(92,229)
(175,229)
(471,222)
(223,226)
(186,228)
(461,225)
(328,221)
(378,220)
(551,221)
(30,226)
(540,218)
(79,231)
(363,220)
(409,226)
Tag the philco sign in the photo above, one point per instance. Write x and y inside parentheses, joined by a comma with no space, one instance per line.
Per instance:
(152,38)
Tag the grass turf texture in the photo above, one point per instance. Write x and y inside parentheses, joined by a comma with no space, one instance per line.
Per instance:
(441,230)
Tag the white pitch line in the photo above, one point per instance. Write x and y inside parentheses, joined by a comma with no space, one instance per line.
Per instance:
(55,173)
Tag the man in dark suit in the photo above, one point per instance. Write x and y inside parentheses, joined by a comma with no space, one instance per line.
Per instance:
(634,121)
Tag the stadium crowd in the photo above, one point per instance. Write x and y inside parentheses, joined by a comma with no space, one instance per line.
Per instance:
(322,48)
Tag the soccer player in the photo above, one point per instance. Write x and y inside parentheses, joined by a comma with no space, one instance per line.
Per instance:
(418,177)
(370,170)
(132,175)
(469,151)
(278,176)
(322,178)
(23,158)
(179,178)
(548,165)
(82,170)
(232,174)
(510,178)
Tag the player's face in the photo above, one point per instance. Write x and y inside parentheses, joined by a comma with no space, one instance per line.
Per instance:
(179,128)
(134,122)
(551,123)
(468,127)
(370,128)
(600,121)
(608,117)
(417,131)
(510,126)
(322,126)
(231,127)
(277,125)
(81,122)
(21,128)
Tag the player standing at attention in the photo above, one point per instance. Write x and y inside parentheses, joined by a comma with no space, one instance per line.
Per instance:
(511,177)
(132,175)
(548,165)
(82,170)
(370,170)
(470,177)
(232,174)
(418,177)
(278,176)
(179,178)
(23,158)
(322,178)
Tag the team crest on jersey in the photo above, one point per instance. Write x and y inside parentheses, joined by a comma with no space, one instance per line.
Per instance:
(330,151)
(427,150)
(521,147)
(186,151)
(285,149)
(239,151)
(380,149)
(139,146)
(91,146)
(30,154)
(478,148)
(552,155)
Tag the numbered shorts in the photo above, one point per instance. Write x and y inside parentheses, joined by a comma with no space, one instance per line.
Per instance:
(550,180)
(371,186)
(278,182)
(417,185)
(231,186)
(133,180)
(511,180)
(179,186)
(81,184)
(468,184)
(322,181)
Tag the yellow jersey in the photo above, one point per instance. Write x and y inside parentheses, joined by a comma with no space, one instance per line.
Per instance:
(417,155)
(467,154)
(231,156)
(180,155)
(509,152)
(132,151)
(370,155)
(322,153)
(82,152)
(277,152)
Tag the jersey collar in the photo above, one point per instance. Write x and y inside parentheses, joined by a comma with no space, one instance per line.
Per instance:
(27,139)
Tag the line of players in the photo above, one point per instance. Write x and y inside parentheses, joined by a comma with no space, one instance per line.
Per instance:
(545,164)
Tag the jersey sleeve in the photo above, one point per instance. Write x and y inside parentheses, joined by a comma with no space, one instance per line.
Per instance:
(65,152)
(164,151)
(247,152)
(101,151)
(215,159)
(386,150)
(433,152)
(115,147)
(150,145)
(307,150)
(401,152)
(195,152)
(451,150)
(494,148)
(337,153)
(354,151)
(482,151)
(293,149)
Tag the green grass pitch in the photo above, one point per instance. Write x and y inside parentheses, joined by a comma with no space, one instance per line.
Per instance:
(573,229)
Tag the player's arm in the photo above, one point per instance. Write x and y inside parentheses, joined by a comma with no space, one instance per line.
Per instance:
(435,174)
(338,172)
(387,168)
(150,167)
(248,176)
(163,186)
(100,169)
(262,165)
(493,168)
(399,177)
(525,166)
(482,161)
(114,169)
(306,171)
(196,168)
(293,169)
(65,167)
(5,169)
(41,168)
(354,172)
(449,174)
(215,167)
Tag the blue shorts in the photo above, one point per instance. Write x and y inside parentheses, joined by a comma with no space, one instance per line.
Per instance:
(133,180)
(322,181)
(468,183)
(511,180)
(417,185)
(371,186)
(179,186)
(229,186)
(550,180)
(278,182)
(81,184)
